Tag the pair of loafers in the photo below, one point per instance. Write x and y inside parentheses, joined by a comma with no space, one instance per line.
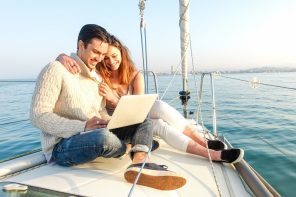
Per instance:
(232,155)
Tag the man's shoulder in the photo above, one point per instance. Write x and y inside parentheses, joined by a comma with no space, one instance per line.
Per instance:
(53,69)
(56,66)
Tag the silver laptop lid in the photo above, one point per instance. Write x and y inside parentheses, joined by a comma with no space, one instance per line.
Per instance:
(131,109)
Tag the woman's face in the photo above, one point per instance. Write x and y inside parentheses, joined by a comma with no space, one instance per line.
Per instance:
(113,58)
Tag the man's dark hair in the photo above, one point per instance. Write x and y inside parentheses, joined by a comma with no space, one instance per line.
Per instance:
(90,31)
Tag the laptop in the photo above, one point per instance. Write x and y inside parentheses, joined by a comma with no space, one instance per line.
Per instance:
(131,109)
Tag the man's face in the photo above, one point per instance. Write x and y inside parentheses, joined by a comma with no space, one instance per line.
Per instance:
(94,52)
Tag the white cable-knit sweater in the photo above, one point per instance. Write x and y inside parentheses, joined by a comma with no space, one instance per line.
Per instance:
(63,102)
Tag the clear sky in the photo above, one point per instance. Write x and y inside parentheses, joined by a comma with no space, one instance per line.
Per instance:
(228,34)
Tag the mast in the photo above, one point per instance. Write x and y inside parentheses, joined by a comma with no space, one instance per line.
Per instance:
(184,38)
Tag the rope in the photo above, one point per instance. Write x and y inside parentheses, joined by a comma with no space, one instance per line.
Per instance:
(144,44)
(139,173)
(199,115)
(182,58)
(181,17)
(177,70)
(286,155)
(266,84)
(142,8)
(144,54)
(212,166)
(205,132)
(145,70)
(172,100)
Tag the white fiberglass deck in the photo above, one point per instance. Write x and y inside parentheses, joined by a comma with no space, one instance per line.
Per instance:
(105,176)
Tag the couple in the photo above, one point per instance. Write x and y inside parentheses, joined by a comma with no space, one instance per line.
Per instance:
(66,106)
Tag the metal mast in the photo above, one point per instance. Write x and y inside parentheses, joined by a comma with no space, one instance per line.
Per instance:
(184,38)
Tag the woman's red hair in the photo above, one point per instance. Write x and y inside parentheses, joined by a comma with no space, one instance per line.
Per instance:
(126,68)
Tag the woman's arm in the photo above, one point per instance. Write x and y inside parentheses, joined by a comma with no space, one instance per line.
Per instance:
(138,84)
(106,92)
(69,63)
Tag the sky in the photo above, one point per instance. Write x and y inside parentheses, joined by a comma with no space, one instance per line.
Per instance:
(225,35)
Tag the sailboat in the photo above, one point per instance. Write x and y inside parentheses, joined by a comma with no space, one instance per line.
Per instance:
(30,175)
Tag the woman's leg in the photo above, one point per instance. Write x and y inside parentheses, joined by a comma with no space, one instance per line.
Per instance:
(179,141)
(162,110)
(167,113)
(197,149)
(194,135)
(184,143)
(170,135)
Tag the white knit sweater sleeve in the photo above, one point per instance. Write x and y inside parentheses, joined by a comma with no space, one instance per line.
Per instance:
(47,92)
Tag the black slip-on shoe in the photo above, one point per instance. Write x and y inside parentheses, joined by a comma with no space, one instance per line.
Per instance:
(155,176)
(233,155)
(216,145)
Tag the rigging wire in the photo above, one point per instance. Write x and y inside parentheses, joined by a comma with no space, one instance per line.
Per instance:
(173,99)
(199,116)
(139,173)
(175,73)
(141,6)
(286,155)
(144,55)
(258,82)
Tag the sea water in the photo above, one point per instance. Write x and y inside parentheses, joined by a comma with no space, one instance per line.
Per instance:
(260,120)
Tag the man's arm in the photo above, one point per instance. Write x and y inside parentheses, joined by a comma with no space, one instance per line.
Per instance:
(47,92)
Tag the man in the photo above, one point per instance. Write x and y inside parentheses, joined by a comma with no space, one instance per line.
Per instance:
(69,112)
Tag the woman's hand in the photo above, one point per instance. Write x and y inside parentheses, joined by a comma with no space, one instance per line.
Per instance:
(69,63)
(95,123)
(106,92)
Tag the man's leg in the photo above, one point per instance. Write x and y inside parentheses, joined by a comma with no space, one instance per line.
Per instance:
(85,147)
(152,175)
(139,135)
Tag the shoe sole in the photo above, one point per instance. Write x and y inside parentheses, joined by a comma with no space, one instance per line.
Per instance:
(241,156)
(162,180)
(225,145)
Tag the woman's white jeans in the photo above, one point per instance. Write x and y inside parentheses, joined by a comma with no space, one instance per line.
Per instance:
(169,124)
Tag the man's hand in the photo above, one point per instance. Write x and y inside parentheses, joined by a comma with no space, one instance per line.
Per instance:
(95,123)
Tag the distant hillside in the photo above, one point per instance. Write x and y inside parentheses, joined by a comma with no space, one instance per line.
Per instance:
(266,69)
(263,70)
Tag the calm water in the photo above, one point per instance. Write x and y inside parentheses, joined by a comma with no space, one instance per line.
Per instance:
(262,121)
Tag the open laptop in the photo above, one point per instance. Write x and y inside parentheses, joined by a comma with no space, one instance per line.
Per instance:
(131,109)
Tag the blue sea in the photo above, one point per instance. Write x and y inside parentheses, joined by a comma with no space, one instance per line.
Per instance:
(260,120)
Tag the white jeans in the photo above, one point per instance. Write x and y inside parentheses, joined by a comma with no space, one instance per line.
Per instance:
(169,124)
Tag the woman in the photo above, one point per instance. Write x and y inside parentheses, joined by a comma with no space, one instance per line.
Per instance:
(121,77)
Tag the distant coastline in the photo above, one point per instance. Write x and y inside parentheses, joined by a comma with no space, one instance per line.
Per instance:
(263,70)
(249,70)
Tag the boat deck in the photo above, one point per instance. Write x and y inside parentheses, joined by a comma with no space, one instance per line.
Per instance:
(105,176)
